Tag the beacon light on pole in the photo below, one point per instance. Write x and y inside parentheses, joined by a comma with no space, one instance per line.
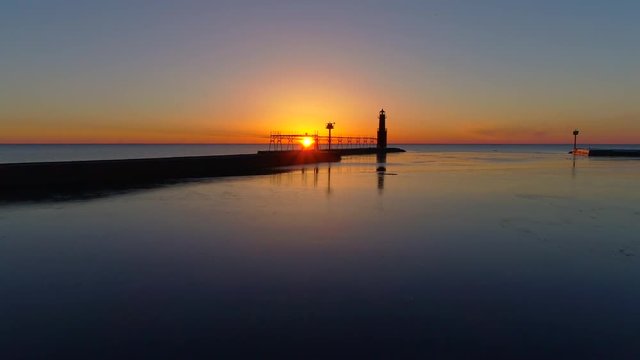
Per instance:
(330,127)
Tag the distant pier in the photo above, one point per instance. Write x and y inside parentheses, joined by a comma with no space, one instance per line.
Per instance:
(607,152)
(601,152)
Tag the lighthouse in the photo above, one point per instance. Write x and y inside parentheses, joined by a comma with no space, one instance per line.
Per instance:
(382,130)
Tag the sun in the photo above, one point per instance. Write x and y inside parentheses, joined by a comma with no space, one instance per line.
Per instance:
(306,142)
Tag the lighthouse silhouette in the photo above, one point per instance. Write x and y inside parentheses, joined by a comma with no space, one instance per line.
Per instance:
(382,130)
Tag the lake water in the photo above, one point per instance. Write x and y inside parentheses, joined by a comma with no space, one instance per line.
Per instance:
(447,252)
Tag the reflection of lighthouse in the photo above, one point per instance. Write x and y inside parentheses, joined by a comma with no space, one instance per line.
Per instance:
(382,130)
(381,169)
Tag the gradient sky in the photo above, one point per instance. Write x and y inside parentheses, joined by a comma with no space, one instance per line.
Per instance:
(231,71)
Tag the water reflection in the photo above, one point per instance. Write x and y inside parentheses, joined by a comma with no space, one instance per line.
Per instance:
(316,176)
(316,171)
(10,197)
(329,179)
(94,192)
(381,169)
(493,256)
(323,172)
(335,177)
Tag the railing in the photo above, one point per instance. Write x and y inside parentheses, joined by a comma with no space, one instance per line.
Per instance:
(280,142)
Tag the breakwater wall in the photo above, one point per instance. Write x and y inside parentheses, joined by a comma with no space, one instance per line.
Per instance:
(35,180)
(608,152)
(46,177)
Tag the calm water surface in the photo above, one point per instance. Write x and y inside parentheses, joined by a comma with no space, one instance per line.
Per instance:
(481,252)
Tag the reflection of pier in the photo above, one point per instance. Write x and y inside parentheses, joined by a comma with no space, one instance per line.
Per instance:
(319,176)
(381,169)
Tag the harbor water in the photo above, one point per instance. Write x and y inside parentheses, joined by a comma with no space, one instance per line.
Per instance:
(448,251)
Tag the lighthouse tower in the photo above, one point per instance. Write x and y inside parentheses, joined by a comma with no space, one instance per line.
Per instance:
(382,130)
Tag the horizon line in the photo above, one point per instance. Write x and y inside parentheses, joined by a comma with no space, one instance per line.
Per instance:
(407,143)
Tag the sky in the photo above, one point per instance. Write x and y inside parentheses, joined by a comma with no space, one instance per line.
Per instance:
(445,71)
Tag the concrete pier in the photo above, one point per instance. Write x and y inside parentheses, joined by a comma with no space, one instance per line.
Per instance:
(74,176)
(42,179)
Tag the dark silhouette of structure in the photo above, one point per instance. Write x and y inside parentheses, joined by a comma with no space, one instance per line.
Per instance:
(330,127)
(382,130)
(286,142)
(24,180)
(345,145)
(635,153)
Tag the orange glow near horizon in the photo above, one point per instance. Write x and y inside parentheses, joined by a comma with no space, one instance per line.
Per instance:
(298,101)
(241,125)
(397,135)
